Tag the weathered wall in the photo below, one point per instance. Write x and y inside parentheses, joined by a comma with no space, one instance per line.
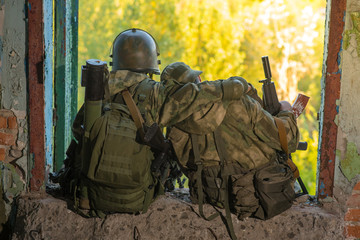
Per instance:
(13,104)
(347,170)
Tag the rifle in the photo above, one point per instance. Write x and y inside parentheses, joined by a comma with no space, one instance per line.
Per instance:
(164,165)
(272,105)
(270,99)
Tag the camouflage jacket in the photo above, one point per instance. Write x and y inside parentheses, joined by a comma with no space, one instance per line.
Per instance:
(249,132)
(150,97)
(170,104)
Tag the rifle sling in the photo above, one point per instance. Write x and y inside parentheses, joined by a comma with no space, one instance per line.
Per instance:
(284,146)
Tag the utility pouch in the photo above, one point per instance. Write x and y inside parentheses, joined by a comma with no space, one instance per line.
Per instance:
(275,191)
(243,200)
(214,192)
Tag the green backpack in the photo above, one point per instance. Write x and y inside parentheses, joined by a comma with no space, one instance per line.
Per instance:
(116,175)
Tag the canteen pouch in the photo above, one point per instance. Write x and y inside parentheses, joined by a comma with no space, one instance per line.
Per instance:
(275,190)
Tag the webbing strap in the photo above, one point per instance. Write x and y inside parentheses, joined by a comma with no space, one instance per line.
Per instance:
(284,146)
(148,197)
(198,175)
(282,135)
(134,111)
(224,177)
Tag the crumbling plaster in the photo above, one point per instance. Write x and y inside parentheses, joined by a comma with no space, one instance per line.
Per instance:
(13,91)
(347,170)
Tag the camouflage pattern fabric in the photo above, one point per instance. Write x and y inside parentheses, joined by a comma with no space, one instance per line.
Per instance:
(172,102)
(248,131)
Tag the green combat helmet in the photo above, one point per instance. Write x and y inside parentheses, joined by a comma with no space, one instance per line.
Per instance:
(135,50)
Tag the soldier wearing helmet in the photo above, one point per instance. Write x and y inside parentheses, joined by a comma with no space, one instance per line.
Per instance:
(134,60)
(137,51)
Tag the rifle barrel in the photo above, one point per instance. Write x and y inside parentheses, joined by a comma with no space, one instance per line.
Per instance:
(266,66)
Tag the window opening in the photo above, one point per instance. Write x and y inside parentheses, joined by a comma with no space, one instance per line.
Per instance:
(223,39)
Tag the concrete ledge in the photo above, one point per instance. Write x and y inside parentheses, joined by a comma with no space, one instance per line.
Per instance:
(46,217)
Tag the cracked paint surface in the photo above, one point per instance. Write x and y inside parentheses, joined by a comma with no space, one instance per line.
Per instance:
(350,165)
(348,119)
(355,18)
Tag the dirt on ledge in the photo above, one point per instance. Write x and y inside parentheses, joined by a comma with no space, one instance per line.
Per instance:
(41,216)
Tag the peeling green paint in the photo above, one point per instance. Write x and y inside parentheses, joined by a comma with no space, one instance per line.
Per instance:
(350,165)
(12,182)
(355,18)
(338,153)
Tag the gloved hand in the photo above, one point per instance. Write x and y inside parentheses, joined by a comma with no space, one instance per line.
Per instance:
(234,88)
(285,106)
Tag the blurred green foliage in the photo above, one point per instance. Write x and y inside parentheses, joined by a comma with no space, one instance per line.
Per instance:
(225,38)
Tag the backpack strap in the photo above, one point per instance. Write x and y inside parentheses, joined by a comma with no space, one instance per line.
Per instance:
(225,181)
(198,174)
(139,123)
(284,146)
(224,177)
(134,111)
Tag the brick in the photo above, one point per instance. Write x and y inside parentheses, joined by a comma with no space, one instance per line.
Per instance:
(353,201)
(7,139)
(357,186)
(2,154)
(3,122)
(352,215)
(12,122)
(352,231)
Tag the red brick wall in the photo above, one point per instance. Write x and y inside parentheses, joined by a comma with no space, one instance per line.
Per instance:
(8,137)
(352,216)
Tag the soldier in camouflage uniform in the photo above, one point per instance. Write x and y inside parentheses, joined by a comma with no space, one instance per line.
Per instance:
(249,139)
(134,56)
(135,61)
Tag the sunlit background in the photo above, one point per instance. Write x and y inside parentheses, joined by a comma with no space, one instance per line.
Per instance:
(225,38)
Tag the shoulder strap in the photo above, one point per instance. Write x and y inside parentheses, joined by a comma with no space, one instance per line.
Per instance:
(284,146)
(282,135)
(139,123)
(134,111)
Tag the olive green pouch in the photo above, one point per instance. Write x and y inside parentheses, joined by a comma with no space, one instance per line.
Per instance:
(275,190)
